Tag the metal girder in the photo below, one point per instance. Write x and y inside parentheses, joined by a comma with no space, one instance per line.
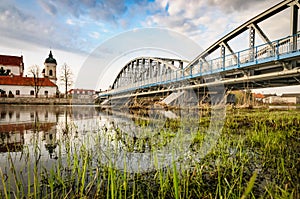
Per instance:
(255,20)
(251,43)
(225,44)
(144,68)
(262,35)
(294,24)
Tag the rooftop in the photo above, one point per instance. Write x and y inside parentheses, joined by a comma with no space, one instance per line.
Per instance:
(24,81)
(7,60)
(50,59)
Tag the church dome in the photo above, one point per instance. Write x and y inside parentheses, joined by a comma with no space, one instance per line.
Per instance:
(50,59)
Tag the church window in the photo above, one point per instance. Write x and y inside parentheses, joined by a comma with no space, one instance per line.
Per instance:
(3,114)
(50,72)
(31,92)
(46,93)
(17,92)
(10,114)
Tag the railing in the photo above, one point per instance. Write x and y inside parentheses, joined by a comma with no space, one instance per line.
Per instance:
(267,52)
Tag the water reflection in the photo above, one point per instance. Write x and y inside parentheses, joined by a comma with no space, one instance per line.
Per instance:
(142,140)
(19,125)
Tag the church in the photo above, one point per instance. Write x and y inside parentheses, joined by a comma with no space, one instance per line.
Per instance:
(13,83)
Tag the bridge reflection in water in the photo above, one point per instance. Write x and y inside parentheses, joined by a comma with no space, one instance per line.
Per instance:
(39,135)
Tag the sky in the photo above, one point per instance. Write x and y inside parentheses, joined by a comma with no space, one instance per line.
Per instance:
(73,30)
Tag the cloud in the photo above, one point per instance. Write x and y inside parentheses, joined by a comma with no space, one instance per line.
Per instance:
(94,35)
(23,26)
(191,18)
(239,5)
(70,22)
(48,7)
(205,21)
(108,11)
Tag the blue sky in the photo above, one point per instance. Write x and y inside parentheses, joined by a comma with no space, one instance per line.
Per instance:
(74,29)
(80,26)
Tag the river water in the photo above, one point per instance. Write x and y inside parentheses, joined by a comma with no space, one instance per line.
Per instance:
(36,136)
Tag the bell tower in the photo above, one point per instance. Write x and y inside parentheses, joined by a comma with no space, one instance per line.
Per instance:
(50,68)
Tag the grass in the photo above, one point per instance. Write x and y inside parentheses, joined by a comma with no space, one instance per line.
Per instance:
(256,156)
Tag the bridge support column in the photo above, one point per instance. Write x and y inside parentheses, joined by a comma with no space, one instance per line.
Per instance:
(294,26)
(225,44)
(251,43)
(150,68)
(222,56)
(181,65)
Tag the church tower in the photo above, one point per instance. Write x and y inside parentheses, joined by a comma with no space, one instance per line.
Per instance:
(50,68)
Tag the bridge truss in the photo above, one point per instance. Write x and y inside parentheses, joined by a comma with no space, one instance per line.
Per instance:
(273,63)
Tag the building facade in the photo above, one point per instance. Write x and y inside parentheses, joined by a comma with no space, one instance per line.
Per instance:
(50,68)
(11,64)
(282,100)
(82,94)
(14,84)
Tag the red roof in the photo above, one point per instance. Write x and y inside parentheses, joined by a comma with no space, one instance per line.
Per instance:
(8,60)
(24,81)
(259,95)
(26,126)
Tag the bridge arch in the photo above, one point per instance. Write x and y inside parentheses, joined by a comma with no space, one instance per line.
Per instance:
(229,56)
(270,64)
(145,68)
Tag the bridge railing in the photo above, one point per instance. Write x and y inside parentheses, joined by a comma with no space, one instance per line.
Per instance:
(276,50)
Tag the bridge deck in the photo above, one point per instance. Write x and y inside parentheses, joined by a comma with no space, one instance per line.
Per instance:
(262,63)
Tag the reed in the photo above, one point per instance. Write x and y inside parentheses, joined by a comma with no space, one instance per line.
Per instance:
(256,156)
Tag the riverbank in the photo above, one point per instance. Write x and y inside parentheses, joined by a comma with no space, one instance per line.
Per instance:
(93,154)
(46,101)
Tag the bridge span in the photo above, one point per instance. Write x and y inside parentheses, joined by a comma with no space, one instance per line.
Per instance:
(270,64)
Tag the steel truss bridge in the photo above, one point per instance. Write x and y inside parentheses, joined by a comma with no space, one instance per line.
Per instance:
(270,64)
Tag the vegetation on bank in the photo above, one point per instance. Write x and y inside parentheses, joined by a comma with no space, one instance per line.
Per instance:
(256,156)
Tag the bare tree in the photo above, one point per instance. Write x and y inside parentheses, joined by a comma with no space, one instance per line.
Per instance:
(66,77)
(35,72)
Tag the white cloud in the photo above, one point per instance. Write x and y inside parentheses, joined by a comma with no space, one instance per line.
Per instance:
(207,21)
(48,6)
(70,22)
(94,35)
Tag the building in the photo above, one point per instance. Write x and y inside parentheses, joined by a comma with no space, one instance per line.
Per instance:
(12,65)
(82,94)
(50,68)
(258,97)
(14,84)
(282,100)
(18,86)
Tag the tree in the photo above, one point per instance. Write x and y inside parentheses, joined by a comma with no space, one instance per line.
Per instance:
(35,72)
(66,77)
(4,72)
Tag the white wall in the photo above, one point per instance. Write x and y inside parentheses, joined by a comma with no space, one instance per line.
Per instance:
(25,90)
(281,100)
(13,69)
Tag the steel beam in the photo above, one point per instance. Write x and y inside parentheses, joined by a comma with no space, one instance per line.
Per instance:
(251,43)
(294,25)
(225,44)
(259,18)
(262,35)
